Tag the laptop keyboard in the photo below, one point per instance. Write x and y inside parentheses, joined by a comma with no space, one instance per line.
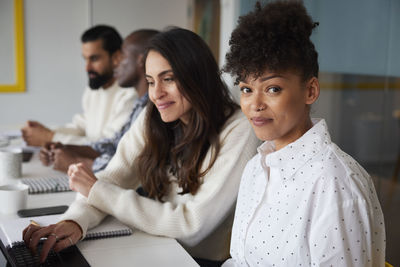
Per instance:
(24,258)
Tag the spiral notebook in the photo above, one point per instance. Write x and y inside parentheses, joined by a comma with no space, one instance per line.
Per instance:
(47,184)
(11,229)
(108,228)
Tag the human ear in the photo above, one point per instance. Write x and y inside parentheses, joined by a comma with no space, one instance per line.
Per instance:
(312,92)
(116,58)
(140,61)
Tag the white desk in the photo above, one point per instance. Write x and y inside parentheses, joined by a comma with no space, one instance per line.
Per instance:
(139,249)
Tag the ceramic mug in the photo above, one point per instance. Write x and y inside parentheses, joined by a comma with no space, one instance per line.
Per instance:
(10,164)
(13,197)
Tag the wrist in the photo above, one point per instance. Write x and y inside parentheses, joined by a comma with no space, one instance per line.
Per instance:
(78,227)
(88,162)
(90,187)
(50,136)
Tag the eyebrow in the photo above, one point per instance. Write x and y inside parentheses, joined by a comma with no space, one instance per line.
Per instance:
(160,74)
(263,79)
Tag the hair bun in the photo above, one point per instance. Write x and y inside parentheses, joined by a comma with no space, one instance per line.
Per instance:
(275,37)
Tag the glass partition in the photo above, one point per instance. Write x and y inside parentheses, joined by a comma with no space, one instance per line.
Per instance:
(358,44)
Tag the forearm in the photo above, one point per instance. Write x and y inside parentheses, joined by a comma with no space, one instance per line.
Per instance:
(84,151)
(85,215)
(151,216)
(71,137)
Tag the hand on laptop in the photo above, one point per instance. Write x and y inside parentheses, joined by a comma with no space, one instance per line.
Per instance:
(59,236)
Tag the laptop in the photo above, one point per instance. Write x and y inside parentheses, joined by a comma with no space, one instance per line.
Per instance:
(19,255)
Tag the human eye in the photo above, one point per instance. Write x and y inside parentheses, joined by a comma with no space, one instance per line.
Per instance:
(150,82)
(168,79)
(274,89)
(245,90)
(94,58)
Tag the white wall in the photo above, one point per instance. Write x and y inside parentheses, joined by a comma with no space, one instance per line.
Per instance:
(55,75)
(128,15)
(54,71)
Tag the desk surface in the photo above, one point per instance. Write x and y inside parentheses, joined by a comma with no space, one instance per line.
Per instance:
(139,249)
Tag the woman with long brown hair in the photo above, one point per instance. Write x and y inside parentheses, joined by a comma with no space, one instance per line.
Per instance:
(187,151)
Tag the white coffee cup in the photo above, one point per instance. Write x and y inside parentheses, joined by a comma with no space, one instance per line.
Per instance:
(10,164)
(13,197)
(4,141)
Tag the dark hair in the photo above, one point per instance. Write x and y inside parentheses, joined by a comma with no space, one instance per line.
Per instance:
(111,39)
(142,38)
(275,37)
(171,147)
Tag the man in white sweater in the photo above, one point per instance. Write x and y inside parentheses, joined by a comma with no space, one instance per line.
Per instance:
(106,106)
(129,73)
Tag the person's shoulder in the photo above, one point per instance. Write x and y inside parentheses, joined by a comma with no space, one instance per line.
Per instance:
(237,115)
(237,124)
(344,175)
(237,119)
(342,161)
(138,125)
(126,92)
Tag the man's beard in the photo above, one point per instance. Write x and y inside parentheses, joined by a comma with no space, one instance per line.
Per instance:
(99,80)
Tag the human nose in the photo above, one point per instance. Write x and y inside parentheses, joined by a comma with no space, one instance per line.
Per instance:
(258,103)
(88,66)
(158,91)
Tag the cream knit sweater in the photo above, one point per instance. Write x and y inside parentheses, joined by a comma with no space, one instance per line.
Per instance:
(201,222)
(104,114)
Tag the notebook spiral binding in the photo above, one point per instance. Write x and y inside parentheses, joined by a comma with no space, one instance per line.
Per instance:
(107,234)
(47,184)
(91,236)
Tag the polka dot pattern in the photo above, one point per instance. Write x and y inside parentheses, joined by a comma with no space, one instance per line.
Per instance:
(308,204)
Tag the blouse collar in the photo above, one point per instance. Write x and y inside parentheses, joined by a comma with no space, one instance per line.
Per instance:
(294,155)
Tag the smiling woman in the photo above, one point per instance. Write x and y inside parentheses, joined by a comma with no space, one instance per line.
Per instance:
(163,90)
(12,61)
(186,151)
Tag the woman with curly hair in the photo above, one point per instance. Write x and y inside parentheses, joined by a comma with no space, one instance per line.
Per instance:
(187,151)
(302,201)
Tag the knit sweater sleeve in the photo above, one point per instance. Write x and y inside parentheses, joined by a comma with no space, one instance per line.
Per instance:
(187,217)
(118,169)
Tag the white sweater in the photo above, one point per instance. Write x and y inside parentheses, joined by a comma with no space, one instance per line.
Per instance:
(201,222)
(104,114)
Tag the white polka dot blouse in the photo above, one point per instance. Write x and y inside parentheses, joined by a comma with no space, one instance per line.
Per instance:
(307,204)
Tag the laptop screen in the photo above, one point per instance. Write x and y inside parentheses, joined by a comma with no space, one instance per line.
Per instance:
(4,260)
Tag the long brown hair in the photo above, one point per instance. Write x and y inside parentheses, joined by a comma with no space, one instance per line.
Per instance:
(172,148)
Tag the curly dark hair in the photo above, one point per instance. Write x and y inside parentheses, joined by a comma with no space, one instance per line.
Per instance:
(275,37)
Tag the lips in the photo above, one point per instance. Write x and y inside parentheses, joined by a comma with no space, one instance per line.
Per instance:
(92,75)
(164,105)
(260,121)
